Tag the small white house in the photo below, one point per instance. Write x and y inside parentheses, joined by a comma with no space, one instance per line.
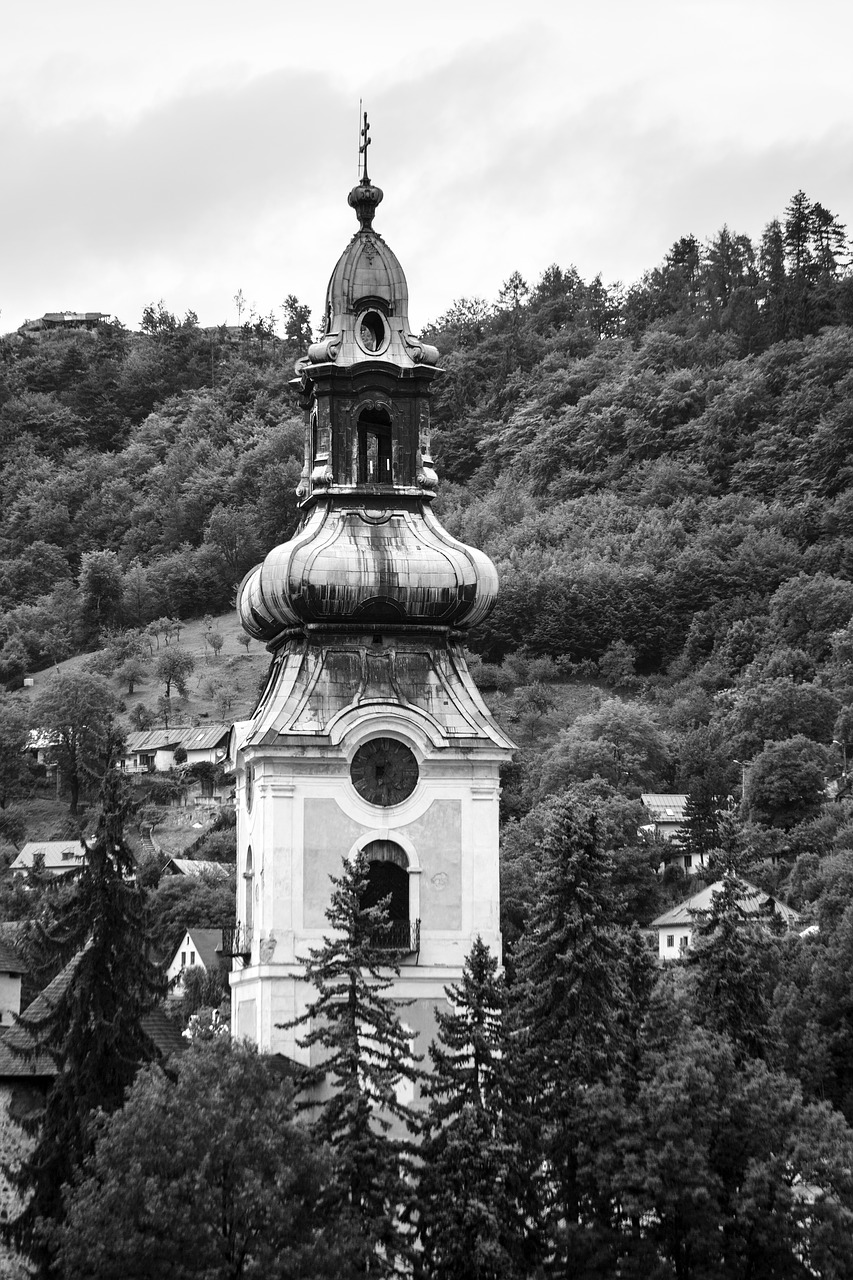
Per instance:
(61,857)
(199,949)
(675,926)
(668,817)
(666,813)
(153,750)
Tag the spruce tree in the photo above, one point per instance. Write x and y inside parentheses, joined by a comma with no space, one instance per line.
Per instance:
(90,1022)
(567,1004)
(472,1211)
(734,958)
(365,1052)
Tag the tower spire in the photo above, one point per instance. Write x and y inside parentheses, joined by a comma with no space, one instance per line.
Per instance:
(364,143)
(364,196)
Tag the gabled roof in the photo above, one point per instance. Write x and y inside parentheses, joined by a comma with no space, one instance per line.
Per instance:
(20,1058)
(751,903)
(59,855)
(663,806)
(208,946)
(201,737)
(197,867)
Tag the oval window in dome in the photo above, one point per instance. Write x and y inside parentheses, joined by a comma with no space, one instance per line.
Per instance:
(371,332)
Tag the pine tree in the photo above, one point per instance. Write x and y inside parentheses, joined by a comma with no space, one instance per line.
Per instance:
(473,1219)
(365,1054)
(733,956)
(567,1005)
(701,831)
(91,1023)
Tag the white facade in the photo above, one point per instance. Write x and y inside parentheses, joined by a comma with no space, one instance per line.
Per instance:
(306,816)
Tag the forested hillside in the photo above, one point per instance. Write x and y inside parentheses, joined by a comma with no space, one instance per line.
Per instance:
(660,473)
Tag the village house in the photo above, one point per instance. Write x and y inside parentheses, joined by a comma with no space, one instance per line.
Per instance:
(153,750)
(668,814)
(675,926)
(197,867)
(65,320)
(198,949)
(60,857)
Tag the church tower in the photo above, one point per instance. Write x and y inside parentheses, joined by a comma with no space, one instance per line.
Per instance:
(370,733)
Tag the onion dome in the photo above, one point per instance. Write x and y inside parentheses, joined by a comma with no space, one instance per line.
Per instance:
(367,301)
(355,563)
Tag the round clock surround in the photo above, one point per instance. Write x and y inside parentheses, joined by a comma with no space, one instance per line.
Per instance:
(384,772)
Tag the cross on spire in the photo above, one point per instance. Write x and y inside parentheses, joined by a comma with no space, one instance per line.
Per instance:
(365,141)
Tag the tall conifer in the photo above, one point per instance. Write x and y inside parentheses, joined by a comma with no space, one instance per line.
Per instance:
(90,1020)
(567,1006)
(473,1216)
(365,1054)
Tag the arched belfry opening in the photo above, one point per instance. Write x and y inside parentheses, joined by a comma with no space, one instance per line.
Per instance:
(388,878)
(374,447)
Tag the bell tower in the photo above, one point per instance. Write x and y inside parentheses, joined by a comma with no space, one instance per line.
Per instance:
(370,733)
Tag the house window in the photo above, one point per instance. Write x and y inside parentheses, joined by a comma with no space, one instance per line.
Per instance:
(670,939)
(192,957)
(682,943)
(183,959)
(688,861)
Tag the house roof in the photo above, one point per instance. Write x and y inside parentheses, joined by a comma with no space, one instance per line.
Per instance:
(201,737)
(663,806)
(20,1058)
(196,867)
(753,901)
(59,855)
(10,961)
(208,945)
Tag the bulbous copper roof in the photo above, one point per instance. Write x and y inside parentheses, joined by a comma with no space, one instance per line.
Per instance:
(353,562)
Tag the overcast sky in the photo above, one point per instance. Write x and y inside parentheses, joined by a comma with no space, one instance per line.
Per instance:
(189,148)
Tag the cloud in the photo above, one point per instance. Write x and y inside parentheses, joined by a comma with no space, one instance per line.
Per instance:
(502,155)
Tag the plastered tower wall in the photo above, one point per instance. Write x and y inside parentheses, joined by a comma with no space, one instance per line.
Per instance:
(370,732)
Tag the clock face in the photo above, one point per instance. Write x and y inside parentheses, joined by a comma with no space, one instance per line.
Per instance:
(384,772)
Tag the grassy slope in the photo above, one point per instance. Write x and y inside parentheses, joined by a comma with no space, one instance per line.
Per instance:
(240,669)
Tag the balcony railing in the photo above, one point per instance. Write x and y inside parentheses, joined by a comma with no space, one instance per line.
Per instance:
(401,936)
(237,942)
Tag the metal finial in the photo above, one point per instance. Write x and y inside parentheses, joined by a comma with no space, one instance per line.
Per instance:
(363,145)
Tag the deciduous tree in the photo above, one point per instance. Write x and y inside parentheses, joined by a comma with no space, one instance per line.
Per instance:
(203,1175)
(75,709)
